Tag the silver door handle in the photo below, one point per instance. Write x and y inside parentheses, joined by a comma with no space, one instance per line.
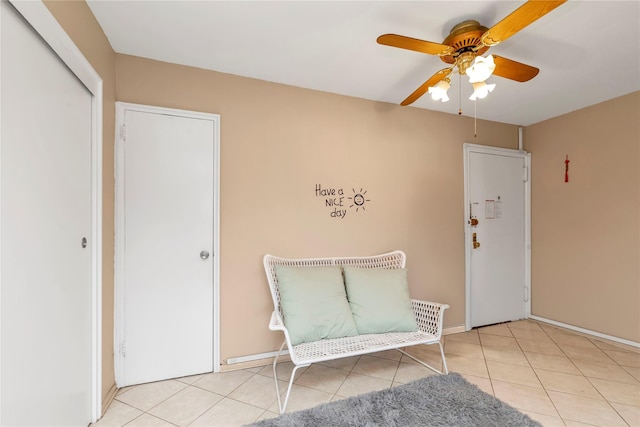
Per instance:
(83,242)
(204,254)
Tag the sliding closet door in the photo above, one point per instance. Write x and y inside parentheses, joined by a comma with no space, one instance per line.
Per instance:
(46,259)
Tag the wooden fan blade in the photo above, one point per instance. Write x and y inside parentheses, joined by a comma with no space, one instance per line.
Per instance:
(510,69)
(425,86)
(518,19)
(417,45)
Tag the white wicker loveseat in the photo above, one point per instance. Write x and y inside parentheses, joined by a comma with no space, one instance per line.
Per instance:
(428,318)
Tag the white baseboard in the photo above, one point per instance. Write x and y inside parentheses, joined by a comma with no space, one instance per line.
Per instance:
(254,357)
(586,331)
(453,330)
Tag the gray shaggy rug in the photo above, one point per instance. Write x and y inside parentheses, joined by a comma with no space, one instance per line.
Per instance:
(437,400)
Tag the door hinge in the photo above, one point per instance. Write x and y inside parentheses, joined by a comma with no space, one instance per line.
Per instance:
(525,174)
(123,349)
(526,293)
(123,132)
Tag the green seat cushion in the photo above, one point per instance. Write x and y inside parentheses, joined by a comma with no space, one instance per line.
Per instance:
(314,303)
(379,300)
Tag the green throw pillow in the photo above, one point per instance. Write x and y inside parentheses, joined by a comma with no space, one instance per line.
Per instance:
(314,303)
(379,300)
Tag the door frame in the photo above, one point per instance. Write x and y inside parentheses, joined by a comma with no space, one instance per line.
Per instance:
(119,321)
(43,22)
(482,149)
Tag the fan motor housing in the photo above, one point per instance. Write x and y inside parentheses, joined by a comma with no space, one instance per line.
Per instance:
(465,37)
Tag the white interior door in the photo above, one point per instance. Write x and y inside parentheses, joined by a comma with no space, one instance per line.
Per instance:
(496,224)
(166,251)
(46,275)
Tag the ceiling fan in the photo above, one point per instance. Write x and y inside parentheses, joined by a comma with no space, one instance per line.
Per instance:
(463,49)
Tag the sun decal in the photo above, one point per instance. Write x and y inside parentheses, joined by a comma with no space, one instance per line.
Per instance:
(358,199)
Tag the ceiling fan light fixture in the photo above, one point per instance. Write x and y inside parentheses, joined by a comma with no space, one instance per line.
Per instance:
(467,42)
(481,69)
(439,91)
(481,90)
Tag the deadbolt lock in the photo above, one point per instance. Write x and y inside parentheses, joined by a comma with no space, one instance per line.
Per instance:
(476,244)
(473,222)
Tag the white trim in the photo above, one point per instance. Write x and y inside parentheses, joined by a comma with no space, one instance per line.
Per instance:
(119,332)
(586,331)
(253,357)
(454,330)
(468,148)
(467,243)
(0,226)
(216,247)
(118,271)
(527,231)
(43,22)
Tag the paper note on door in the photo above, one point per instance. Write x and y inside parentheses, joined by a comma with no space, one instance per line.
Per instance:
(489,209)
(492,209)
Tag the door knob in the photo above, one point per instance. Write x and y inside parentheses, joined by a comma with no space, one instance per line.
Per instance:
(476,244)
(204,254)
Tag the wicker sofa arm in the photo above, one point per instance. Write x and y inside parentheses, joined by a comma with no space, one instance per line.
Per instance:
(276,323)
(429,316)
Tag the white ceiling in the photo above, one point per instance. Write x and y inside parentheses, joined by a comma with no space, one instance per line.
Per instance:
(587,51)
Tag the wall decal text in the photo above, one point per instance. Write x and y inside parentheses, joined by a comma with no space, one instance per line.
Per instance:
(337,203)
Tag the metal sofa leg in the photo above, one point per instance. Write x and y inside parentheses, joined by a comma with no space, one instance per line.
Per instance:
(283,406)
(445,370)
(444,361)
(275,375)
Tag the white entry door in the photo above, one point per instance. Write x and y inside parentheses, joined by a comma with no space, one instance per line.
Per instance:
(165,251)
(497,235)
(47,239)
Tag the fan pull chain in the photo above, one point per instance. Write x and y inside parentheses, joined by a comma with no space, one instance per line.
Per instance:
(459,95)
(475,118)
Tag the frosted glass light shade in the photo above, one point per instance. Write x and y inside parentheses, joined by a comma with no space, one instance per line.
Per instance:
(481,69)
(439,91)
(481,90)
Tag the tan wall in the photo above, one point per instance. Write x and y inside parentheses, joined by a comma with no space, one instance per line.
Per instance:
(79,23)
(278,142)
(586,233)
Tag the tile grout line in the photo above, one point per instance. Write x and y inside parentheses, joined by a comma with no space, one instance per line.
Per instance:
(210,407)
(583,375)
(484,356)
(546,392)
(187,386)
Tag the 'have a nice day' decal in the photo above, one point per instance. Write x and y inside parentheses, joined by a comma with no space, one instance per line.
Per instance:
(338,203)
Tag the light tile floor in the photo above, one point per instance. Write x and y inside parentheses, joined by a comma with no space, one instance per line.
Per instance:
(556,376)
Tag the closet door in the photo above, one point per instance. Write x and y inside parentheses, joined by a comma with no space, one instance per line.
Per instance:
(46,260)
(165,257)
